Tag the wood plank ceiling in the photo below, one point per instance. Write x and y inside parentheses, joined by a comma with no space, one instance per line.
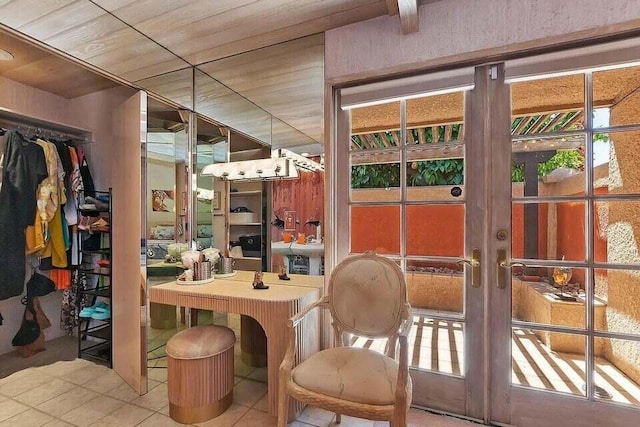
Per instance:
(138,39)
(40,69)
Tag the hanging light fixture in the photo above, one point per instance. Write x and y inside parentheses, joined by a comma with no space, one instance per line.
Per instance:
(253,170)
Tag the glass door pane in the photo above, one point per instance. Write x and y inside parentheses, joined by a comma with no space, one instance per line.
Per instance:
(575,268)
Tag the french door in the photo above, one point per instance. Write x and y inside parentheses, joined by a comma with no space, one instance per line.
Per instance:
(512,204)
(415,196)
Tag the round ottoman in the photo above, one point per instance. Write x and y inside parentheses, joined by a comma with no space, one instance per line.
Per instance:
(200,373)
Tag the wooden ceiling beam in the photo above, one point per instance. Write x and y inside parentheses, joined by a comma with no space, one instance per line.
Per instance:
(549,126)
(521,125)
(408,10)
(385,139)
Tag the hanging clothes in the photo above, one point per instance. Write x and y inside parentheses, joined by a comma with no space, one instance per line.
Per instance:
(24,168)
(87,179)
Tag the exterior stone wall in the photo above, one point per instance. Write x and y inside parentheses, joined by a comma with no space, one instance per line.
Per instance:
(623,243)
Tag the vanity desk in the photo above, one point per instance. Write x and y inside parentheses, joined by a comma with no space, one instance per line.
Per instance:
(271,308)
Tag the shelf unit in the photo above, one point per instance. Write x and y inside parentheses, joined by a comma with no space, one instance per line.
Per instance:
(95,336)
(248,195)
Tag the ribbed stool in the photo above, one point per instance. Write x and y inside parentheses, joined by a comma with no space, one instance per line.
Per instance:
(200,373)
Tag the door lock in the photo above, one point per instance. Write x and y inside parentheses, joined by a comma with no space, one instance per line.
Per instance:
(502,234)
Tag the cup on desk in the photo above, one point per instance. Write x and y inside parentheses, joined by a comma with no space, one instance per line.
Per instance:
(301,239)
(286,237)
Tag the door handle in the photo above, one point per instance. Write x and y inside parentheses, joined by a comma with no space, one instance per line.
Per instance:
(504,268)
(474,263)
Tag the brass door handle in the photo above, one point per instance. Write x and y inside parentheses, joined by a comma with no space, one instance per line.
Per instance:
(474,263)
(504,267)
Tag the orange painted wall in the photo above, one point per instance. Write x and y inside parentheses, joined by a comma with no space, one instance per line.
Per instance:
(375,228)
(305,196)
(571,238)
(435,230)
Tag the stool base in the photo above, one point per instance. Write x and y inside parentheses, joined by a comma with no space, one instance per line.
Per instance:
(187,415)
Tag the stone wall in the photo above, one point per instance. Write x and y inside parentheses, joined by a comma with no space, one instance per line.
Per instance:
(623,232)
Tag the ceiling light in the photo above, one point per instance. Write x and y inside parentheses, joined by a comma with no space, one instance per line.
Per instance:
(299,161)
(5,56)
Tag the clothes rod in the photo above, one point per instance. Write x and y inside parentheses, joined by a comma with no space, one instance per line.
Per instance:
(12,120)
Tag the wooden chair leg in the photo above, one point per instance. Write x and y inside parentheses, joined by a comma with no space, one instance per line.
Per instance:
(283,403)
(338,418)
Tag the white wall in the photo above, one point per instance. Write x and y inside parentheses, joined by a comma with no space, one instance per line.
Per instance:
(455,30)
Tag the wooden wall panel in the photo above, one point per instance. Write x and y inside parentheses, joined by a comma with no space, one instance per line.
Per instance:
(130,122)
(457,30)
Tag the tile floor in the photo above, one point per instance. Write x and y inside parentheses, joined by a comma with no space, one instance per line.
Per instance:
(81,393)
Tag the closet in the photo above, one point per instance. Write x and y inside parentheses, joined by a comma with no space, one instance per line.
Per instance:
(55,95)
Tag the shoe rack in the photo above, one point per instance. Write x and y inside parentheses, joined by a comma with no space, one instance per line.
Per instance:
(93,277)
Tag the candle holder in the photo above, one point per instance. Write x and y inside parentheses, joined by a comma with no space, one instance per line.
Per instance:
(561,276)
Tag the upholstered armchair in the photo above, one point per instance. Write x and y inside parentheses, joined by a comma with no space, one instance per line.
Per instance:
(367,297)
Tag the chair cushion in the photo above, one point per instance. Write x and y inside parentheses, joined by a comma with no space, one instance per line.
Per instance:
(355,374)
(200,342)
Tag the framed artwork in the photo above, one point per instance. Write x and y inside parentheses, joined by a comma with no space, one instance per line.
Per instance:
(290,220)
(163,200)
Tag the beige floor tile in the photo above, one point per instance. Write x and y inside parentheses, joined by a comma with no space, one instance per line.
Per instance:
(125,416)
(86,374)
(240,368)
(105,383)
(316,416)
(262,404)
(248,393)
(297,423)
(228,418)
(254,418)
(30,418)
(44,392)
(259,374)
(15,376)
(237,379)
(63,368)
(9,408)
(3,398)
(57,423)
(155,400)
(92,411)
(158,375)
(153,384)
(353,422)
(124,392)
(66,402)
(24,383)
(159,420)
(164,410)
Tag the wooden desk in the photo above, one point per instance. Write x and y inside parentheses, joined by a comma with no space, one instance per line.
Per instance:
(271,308)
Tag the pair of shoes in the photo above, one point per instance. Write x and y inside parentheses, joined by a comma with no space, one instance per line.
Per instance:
(99,311)
(100,225)
(103,263)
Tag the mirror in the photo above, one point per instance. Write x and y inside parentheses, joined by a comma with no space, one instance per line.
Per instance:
(176,87)
(215,100)
(209,194)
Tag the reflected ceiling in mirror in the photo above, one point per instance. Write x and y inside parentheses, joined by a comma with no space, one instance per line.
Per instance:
(285,136)
(218,102)
(176,87)
(286,80)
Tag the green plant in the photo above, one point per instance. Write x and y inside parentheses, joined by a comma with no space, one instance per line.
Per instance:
(566,159)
